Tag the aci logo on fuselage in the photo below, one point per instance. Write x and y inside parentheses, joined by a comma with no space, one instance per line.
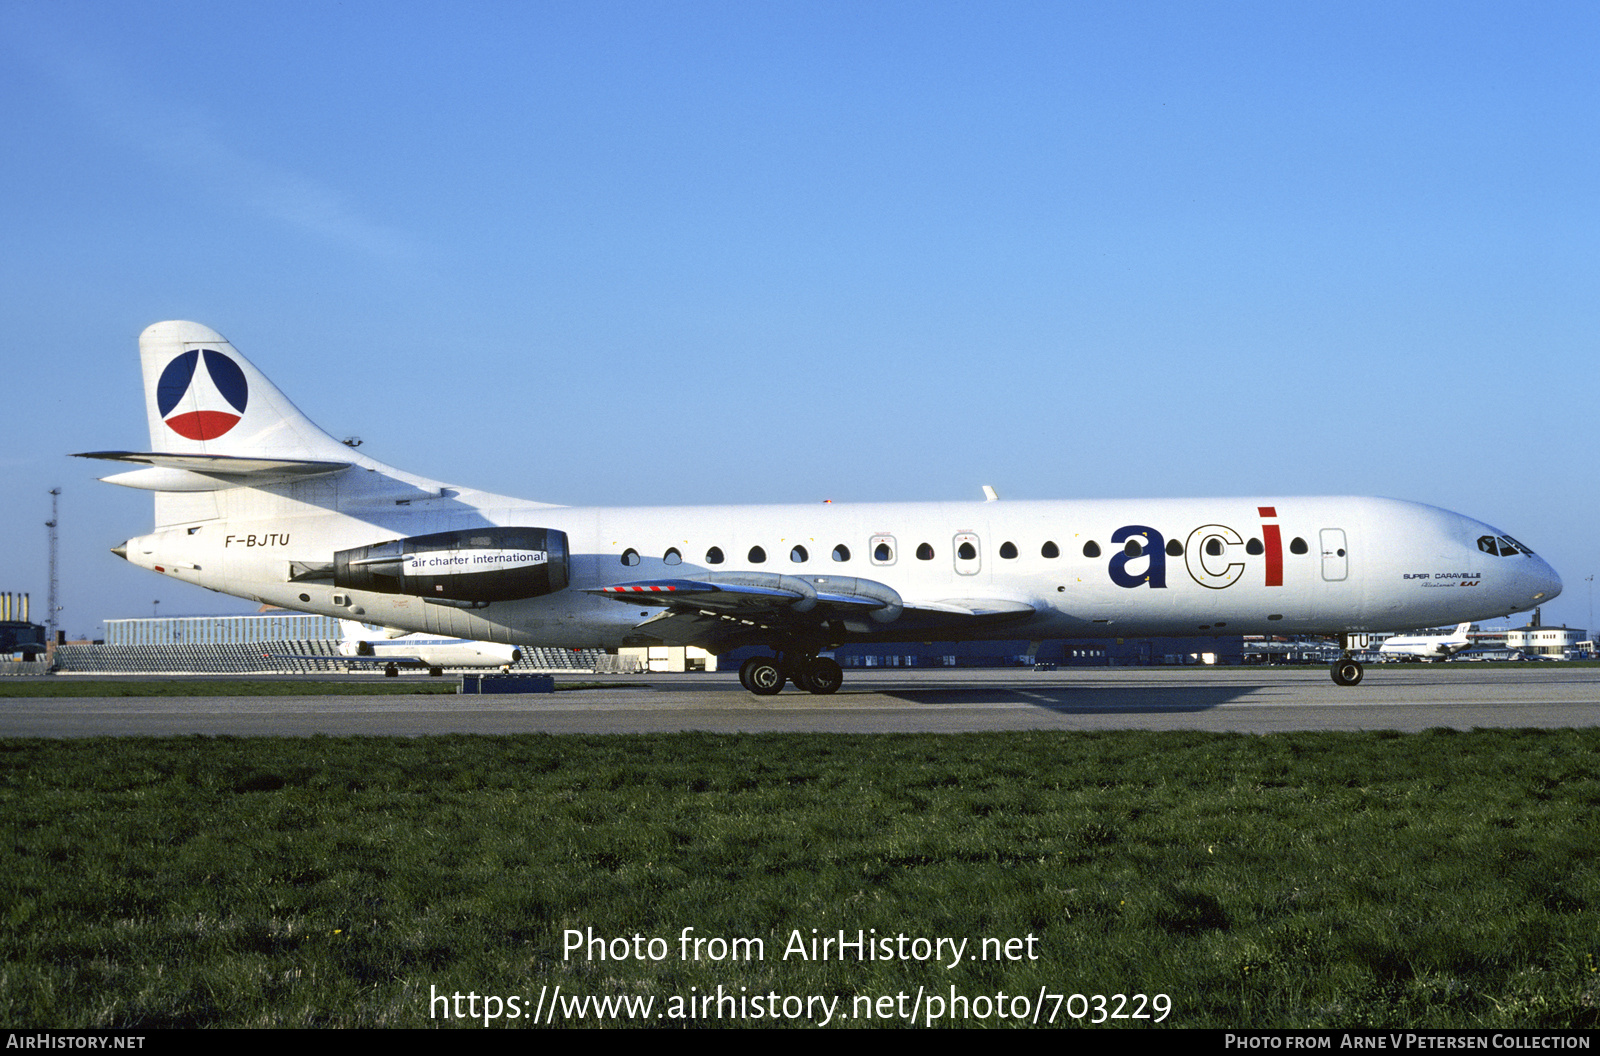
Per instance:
(1206,554)
(202,404)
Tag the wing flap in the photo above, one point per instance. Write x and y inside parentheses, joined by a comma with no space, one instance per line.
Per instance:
(722,610)
(974,607)
(674,592)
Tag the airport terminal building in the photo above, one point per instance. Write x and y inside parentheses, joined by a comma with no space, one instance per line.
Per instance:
(221,630)
(269,642)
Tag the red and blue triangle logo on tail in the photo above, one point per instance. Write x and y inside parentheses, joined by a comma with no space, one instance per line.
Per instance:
(209,404)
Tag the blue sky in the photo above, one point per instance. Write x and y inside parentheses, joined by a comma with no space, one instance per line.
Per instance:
(653,253)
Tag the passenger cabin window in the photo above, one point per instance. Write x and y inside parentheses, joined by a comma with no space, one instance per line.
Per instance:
(714,556)
(1091,549)
(1298,546)
(924,552)
(1133,549)
(1254,548)
(798,555)
(967,552)
(757,555)
(1008,551)
(672,557)
(841,553)
(1214,546)
(630,556)
(1174,548)
(1050,549)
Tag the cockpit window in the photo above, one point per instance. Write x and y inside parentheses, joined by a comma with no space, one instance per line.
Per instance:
(1515,545)
(1502,546)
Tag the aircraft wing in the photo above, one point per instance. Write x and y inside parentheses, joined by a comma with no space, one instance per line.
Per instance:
(723,610)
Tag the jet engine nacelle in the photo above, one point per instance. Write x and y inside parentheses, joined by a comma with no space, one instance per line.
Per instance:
(475,565)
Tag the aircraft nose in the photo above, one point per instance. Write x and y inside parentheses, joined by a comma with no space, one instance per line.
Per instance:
(1543,581)
(121,551)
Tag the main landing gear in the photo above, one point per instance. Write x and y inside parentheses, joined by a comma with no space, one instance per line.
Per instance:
(1346,670)
(765,675)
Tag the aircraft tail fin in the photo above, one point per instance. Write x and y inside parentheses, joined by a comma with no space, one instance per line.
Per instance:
(225,441)
(219,427)
(202,397)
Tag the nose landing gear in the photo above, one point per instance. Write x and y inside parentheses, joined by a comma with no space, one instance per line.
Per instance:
(1346,670)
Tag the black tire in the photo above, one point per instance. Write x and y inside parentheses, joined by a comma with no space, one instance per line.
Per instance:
(391,672)
(435,672)
(1346,672)
(823,675)
(763,676)
(744,672)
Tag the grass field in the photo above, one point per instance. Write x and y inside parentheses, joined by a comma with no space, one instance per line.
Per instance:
(1437,879)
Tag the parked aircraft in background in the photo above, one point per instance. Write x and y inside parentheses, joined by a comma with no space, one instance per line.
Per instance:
(253,499)
(1427,646)
(394,648)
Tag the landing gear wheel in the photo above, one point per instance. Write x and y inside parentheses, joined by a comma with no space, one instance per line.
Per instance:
(1346,672)
(762,676)
(821,675)
(391,672)
(436,672)
(744,672)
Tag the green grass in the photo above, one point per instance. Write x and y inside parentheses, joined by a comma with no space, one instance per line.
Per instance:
(1312,879)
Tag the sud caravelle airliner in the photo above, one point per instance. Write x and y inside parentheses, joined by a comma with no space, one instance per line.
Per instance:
(253,499)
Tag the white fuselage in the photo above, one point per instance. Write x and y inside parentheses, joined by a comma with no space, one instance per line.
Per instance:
(1367,564)
(1425,646)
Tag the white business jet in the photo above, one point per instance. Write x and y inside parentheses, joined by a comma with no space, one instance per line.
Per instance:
(253,499)
(1427,646)
(393,648)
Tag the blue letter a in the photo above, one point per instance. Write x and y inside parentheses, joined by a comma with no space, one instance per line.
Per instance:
(1154,548)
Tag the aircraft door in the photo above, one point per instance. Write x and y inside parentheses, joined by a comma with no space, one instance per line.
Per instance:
(968,558)
(882,549)
(1335,559)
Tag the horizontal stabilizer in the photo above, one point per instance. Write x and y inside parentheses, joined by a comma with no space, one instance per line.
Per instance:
(170,472)
(224,465)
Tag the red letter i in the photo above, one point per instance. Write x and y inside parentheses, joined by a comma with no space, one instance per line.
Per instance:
(1269,535)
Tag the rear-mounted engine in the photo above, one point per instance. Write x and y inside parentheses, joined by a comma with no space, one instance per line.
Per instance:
(477,565)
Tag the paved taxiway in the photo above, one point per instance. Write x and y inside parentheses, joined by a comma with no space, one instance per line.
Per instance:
(1246,700)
